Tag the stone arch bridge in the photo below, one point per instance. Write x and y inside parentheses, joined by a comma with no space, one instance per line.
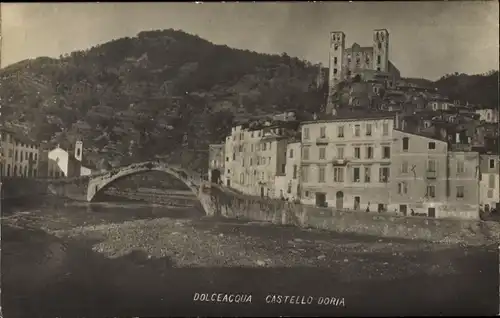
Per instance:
(194,181)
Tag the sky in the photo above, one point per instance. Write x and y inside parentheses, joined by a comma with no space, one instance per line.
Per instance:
(427,39)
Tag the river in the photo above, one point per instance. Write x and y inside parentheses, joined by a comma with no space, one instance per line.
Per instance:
(138,258)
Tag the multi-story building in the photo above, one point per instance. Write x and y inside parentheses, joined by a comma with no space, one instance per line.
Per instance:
(490,181)
(429,179)
(20,156)
(216,161)
(255,155)
(346,162)
(288,185)
(345,63)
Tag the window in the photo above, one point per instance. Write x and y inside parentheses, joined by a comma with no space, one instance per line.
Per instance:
(334,71)
(402,188)
(264,146)
(306,194)
(355,174)
(369,152)
(251,147)
(491,181)
(340,132)
(262,175)
(405,143)
(10,153)
(242,178)
(295,171)
(338,174)
(305,173)
(258,161)
(385,129)
(368,174)
(336,47)
(432,145)
(378,59)
(356,130)
(251,161)
(335,60)
(431,165)
(431,191)
(460,191)
(404,167)
(379,47)
(263,160)
(357,152)
(340,153)
(257,147)
(368,129)
(460,166)
(322,153)
(492,163)
(16,156)
(291,153)
(386,152)
(322,132)
(283,168)
(306,133)
(384,174)
(305,153)
(321,177)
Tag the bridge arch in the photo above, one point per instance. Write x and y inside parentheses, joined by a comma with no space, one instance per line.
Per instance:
(193,182)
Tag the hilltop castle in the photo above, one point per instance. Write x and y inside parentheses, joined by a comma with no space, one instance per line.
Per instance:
(368,62)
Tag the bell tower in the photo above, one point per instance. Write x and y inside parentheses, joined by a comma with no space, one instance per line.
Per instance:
(380,50)
(335,65)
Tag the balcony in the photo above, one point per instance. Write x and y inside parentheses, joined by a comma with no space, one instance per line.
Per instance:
(339,162)
(322,140)
(431,174)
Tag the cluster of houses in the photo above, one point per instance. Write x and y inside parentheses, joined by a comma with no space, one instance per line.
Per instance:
(372,161)
(22,157)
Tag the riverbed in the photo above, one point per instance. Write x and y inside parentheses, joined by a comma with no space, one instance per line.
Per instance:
(138,258)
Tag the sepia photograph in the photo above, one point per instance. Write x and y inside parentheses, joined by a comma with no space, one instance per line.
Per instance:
(249,159)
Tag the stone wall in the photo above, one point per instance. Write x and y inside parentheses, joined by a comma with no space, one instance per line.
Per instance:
(16,188)
(419,228)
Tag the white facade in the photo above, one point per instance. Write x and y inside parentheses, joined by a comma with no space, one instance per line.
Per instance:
(63,164)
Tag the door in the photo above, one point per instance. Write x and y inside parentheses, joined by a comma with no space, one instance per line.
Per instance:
(228,182)
(339,202)
(215,176)
(320,199)
(431,212)
(261,192)
(357,203)
(402,209)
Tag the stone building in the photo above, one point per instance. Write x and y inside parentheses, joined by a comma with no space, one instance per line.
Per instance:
(429,179)
(490,181)
(346,161)
(19,155)
(216,161)
(346,63)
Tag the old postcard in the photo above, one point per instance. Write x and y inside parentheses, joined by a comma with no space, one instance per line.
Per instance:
(249,159)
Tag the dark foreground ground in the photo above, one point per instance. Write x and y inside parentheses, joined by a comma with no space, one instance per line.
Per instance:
(128,261)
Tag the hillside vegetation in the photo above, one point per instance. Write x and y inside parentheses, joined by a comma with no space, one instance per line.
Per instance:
(154,94)
(165,93)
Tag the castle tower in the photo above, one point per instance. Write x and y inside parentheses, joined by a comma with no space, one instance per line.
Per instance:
(381,50)
(335,65)
(79,150)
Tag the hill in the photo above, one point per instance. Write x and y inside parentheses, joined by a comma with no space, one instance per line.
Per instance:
(479,89)
(154,94)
